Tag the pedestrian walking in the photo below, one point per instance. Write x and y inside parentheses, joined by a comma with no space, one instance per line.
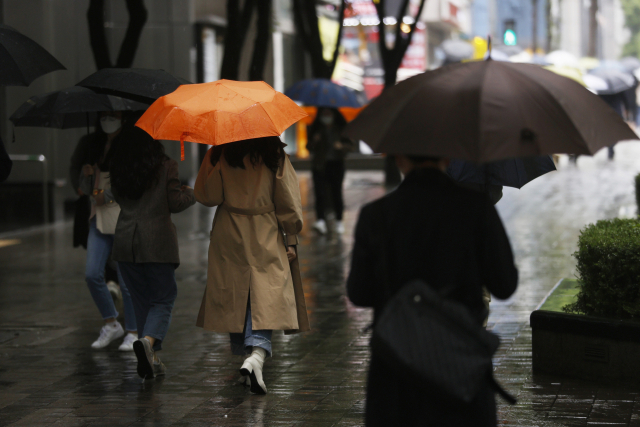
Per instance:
(328,150)
(618,103)
(450,237)
(147,187)
(252,289)
(88,150)
(94,181)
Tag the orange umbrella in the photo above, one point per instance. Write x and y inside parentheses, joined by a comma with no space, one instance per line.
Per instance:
(220,112)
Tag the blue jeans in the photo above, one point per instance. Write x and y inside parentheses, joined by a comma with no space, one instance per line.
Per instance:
(242,343)
(153,291)
(98,251)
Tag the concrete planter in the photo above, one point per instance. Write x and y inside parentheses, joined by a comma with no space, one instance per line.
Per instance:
(583,346)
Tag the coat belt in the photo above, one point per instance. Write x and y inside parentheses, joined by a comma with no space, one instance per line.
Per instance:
(253,211)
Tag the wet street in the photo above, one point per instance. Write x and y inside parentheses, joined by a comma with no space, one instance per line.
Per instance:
(50,375)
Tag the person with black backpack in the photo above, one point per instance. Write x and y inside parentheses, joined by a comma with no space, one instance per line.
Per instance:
(432,233)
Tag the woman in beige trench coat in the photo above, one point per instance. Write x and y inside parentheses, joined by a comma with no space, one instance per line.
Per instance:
(252,289)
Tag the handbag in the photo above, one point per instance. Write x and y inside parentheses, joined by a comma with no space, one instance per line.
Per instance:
(107,214)
(425,335)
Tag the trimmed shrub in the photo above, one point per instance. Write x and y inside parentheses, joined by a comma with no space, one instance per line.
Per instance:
(637,179)
(609,270)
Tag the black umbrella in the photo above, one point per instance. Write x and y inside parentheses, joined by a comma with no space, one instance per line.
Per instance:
(617,80)
(22,60)
(507,173)
(138,84)
(73,107)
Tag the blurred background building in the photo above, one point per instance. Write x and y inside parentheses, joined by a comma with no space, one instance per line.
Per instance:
(187,38)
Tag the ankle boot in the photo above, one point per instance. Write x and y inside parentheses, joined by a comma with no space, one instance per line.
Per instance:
(252,367)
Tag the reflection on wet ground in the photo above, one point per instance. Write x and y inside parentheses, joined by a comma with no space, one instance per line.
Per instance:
(49,375)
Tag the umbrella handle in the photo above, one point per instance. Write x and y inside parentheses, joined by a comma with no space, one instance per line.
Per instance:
(182,137)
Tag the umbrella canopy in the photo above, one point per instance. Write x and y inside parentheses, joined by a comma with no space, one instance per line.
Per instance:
(220,112)
(488,110)
(507,173)
(497,55)
(508,50)
(22,60)
(523,56)
(73,107)
(323,93)
(589,63)
(570,73)
(617,81)
(561,58)
(139,84)
(595,84)
(456,50)
(630,63)
(349,113)
(609,64)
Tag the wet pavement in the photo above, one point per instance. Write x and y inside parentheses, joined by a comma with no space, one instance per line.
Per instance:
(50,375)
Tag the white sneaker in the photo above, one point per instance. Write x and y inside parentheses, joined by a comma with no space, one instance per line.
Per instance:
(339,227)
(127,343)
(320,226)
(109,332)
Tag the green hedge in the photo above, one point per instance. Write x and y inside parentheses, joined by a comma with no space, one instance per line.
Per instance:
(637,179)
(609,270)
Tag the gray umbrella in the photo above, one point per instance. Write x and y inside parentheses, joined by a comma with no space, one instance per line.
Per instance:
(618,81)
(630,63)
(456,50)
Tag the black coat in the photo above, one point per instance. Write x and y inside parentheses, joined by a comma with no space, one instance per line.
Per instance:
(446,235)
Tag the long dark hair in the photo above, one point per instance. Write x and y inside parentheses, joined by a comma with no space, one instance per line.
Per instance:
(268,150)
(135,159)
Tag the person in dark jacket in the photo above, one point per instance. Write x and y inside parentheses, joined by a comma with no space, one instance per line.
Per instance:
(328,150)
(432,229)
(147,187)
(5,163)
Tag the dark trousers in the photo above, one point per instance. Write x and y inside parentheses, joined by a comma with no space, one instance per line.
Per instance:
(330,177)
(393,400)
(153,292)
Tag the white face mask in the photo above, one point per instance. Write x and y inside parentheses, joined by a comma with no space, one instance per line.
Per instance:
(327,120)
(110,124)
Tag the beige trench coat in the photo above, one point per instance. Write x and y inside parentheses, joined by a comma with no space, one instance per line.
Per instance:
(247,252)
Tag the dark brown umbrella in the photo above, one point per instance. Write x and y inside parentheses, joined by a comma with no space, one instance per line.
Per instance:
(488,110)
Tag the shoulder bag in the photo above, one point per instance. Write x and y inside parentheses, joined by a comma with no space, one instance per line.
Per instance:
(107,214)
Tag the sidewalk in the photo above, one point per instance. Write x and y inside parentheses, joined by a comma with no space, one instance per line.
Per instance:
(50,376)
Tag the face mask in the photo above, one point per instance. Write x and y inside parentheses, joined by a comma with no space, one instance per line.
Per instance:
(110,124)
(327,120)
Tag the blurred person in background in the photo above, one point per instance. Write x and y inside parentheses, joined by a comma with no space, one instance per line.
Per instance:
(328,150)
(88,151)
(147,187)
(94,181)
